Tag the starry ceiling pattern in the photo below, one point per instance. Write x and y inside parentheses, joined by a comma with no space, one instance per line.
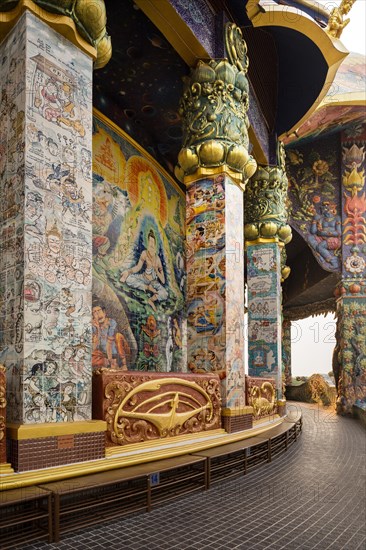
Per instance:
(141,86)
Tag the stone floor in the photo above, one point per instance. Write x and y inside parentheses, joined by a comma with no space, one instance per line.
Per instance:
(312,497)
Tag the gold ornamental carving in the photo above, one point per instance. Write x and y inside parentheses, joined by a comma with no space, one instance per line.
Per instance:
(214,109)
(265,207)
(236,47)
(143,411)
(262,399)
(88,16)
(336,22)
(2,427)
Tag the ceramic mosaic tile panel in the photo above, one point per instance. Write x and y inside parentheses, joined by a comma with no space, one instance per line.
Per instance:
(139,273)
(351,331)
(234,296)
(215,274)
(354,203)
(12,147)
(264,311)
(51,171)
(315,199)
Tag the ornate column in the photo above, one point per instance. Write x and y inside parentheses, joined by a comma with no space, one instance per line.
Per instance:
(286,352)
(266,232)
(349,359)
(45,228)
(214,164)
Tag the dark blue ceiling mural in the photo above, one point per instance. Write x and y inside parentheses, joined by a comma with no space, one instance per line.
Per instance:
(141,86)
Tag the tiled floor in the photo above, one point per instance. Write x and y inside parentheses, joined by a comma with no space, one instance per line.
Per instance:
(312,497)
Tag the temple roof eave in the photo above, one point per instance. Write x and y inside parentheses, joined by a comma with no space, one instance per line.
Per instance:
(267,14)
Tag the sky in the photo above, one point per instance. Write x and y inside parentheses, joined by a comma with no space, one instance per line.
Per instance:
(313,338)
(353,36)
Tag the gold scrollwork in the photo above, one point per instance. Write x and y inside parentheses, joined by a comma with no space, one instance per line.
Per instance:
(2,427)
(89,16)
(236,47)
(214,109)
(265,208)
(133,415)
(262,399)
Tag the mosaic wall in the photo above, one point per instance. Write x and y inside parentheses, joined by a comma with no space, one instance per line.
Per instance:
(264,311)
(139,274)
(315,202)
(354,203)
(352,306)
(46,206)
(215,272)
(286,352)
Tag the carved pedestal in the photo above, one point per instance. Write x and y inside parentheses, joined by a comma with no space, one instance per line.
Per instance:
(143,406)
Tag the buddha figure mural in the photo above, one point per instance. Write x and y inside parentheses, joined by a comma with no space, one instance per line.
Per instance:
(138,256)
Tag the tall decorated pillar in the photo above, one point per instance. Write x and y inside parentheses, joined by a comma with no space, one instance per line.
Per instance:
(350,353)
(214,164)
(45,227)
(286,352)
(266,233)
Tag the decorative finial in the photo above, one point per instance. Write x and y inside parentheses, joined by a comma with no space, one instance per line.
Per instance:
(336,23)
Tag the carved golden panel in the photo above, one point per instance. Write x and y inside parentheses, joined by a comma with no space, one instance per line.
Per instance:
(261,395)
(144,407)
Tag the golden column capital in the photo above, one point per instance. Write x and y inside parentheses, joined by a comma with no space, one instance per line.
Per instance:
(214,109)
(83,22)
(265,210)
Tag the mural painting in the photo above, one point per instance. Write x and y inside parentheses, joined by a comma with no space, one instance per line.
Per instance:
(139,274)
(315,209)
(215,283)
(46,208)
(264,328)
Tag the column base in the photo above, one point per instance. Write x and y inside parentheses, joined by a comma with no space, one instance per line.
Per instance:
(6,469)
(237,420)
(281,407)
(38,446)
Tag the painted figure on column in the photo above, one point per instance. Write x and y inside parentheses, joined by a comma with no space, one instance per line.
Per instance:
(110,347)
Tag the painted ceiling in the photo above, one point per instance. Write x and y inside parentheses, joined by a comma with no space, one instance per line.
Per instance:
(141,86)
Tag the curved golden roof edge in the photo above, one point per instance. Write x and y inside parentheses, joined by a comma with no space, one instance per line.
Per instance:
(332,49)
(60,23)
(316,6)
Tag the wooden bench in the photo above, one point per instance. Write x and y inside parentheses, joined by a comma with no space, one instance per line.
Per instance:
(96,498)
(25,516)
(238,458)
